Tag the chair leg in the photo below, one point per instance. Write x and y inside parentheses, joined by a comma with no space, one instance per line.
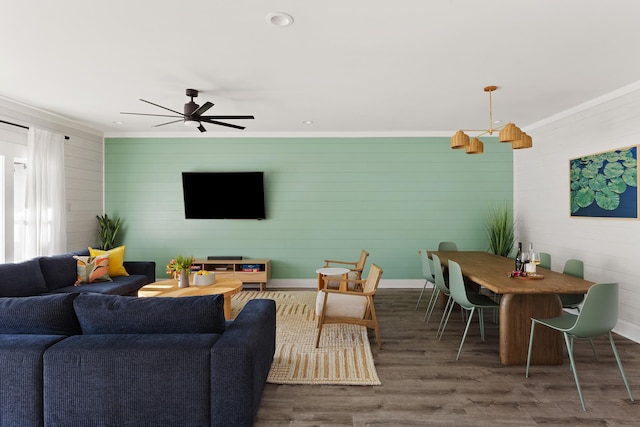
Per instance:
(374,320)
(432,304)
(321,319)
(593,349)
(481,321)
(624,377)
(569,343)
(466,329)
(445,317)
(421,293)
(533,325)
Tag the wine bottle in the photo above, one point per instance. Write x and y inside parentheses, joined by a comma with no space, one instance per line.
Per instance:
(519,264)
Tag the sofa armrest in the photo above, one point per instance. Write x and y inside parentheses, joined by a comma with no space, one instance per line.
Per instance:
(240,363)
(147,268)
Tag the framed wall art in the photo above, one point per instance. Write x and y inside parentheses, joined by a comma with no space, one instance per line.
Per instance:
(605,185)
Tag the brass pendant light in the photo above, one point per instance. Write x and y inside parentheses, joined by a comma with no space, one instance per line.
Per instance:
(508,133)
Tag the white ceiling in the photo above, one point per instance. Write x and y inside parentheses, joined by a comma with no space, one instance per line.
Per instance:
(357,66)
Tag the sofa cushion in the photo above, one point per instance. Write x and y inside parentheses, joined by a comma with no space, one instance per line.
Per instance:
(58,270)
(92,269)
(43,315)
(21,378)
(122,285)
(116,260)
(116,314)
(21,279)
(133,380)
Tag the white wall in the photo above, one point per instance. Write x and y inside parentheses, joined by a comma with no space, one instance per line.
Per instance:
(610,248)
(84,169)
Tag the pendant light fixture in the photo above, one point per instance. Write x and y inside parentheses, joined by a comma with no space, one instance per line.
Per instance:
(508,133)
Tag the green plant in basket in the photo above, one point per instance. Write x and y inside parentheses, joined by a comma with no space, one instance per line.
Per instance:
(500,230)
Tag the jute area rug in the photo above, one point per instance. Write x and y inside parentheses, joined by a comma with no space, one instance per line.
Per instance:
(342,358)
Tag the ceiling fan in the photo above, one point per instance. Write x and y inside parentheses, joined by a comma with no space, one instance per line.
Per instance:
(193,114)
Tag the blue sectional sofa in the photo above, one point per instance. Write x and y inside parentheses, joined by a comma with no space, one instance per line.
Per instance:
(58,273)
(70,359)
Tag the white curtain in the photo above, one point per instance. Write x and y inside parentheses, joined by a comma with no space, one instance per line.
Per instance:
(45,213)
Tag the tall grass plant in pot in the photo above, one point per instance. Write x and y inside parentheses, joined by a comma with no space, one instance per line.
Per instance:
(500,230)
(108,231)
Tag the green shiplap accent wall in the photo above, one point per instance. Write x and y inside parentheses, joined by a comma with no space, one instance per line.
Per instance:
(326,198)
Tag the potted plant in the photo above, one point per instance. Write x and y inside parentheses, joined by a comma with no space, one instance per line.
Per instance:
(107,231)
(500,230)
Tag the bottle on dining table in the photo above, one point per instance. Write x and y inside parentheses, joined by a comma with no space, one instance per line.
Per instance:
(519,264)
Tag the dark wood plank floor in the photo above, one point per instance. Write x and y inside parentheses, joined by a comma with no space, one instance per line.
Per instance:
(423,384)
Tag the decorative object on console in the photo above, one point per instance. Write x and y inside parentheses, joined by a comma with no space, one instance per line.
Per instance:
(508,133)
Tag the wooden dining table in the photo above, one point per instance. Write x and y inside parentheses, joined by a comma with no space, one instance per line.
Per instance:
(521,299)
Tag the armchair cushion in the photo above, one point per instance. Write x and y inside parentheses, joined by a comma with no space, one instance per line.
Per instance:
(342,305)
(117,314)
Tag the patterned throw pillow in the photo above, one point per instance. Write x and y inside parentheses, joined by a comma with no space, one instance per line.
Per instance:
(92,269)
(116,262)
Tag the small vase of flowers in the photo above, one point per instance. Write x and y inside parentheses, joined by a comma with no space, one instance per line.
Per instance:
(179,267)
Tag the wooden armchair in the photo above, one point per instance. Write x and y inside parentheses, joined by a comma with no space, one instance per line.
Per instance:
(351,307)
(356,268)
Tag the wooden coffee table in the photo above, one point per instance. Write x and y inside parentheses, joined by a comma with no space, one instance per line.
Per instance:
(169,288)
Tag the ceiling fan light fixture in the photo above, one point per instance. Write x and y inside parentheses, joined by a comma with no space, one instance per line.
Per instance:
(475,146)
(459,140)
(509,133)
(191,123)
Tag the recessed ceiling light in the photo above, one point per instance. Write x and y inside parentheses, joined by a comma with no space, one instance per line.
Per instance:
(280,19)
(307,122)
(118,122)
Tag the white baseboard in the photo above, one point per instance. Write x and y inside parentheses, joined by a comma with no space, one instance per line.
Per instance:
(313,283)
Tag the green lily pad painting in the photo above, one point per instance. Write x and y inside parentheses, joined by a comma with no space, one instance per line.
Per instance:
(605,184)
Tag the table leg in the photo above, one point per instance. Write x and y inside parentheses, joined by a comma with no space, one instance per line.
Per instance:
(343,283)
(516,311)
(227,307)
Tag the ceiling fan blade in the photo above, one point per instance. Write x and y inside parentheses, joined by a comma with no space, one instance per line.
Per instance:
(165,108)
(201,128)
(214,122)
(154,115)
(168,123)
(226,117)
(203,108)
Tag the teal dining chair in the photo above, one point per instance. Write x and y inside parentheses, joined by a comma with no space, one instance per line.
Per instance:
(427,272)
(545,260)
(447,246)
(598,317)
(470,302)
(575,268)
(443,289)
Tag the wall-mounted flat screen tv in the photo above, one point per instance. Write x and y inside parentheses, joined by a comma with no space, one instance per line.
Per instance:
(223,195)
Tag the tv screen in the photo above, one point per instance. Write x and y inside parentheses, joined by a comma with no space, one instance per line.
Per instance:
(223,195)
